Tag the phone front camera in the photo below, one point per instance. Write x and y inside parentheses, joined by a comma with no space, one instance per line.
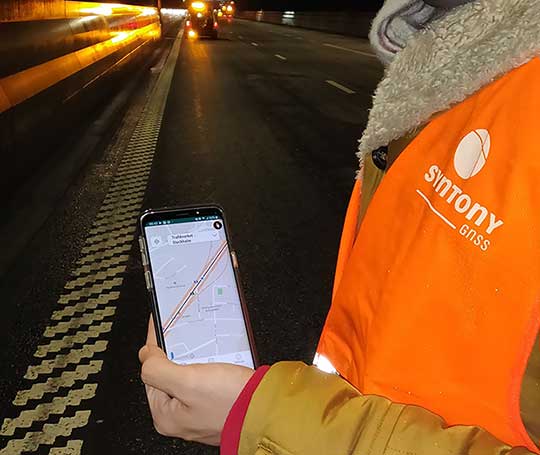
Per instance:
(218,225)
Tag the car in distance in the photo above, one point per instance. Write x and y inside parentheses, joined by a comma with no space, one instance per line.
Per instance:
(201,21)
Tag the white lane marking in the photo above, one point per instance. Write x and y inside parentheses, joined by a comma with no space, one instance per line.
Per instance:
(365,54)
(281,57)
(434,210)
(255,44)
(341,87)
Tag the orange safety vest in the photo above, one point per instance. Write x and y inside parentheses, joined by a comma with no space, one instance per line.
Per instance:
(437,299)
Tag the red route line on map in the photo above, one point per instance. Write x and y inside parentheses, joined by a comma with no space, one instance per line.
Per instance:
(184,303)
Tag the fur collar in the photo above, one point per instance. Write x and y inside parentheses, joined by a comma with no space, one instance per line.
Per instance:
(450,59)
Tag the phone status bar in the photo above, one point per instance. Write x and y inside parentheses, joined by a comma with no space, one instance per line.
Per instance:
(190,219)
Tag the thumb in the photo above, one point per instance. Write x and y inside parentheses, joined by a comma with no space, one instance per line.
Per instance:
(159,372)
(150,350)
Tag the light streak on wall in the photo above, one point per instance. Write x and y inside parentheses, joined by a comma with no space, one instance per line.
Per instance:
(123,26)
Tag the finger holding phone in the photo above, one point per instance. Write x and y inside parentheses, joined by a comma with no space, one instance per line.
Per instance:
(189,401)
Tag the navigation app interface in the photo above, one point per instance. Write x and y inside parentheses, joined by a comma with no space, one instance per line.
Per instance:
(198,300)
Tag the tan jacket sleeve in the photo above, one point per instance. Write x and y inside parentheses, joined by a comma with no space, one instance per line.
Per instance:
(299,410)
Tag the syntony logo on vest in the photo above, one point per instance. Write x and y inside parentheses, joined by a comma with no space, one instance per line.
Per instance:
(469,159)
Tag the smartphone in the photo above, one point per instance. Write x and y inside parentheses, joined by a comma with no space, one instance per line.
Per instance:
(191,273)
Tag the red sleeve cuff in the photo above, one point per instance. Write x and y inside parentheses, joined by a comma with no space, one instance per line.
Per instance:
(230,436)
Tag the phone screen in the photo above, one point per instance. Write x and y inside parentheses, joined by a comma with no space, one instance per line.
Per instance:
(198,300)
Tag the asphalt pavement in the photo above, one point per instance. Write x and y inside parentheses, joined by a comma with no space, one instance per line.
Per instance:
(263,121)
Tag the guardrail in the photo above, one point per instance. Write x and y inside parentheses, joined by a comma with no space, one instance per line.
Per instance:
(352,23)
(54,54)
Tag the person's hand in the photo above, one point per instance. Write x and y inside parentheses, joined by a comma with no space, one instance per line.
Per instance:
(189,402)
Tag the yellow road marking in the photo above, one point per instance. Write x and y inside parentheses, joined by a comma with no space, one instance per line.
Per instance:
(98,276)
(69,341)
(53,385)
(72,448)
(63,360)
(48,435)
(42,411)
(94,289)
(86,305)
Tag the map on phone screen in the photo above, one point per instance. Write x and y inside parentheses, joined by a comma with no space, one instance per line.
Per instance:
(198,300)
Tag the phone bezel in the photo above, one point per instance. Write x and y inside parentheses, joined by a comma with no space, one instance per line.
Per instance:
(168,213)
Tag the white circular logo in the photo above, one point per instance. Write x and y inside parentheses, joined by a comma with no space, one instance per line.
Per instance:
(472,153)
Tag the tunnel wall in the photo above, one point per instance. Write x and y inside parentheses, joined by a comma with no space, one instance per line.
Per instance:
(58,59)
(354,23)
(18,10)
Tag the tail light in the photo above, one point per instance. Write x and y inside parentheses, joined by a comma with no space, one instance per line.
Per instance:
(188,24)
(215,25)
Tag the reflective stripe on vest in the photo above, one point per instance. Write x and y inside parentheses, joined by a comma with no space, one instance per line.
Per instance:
(437,300)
